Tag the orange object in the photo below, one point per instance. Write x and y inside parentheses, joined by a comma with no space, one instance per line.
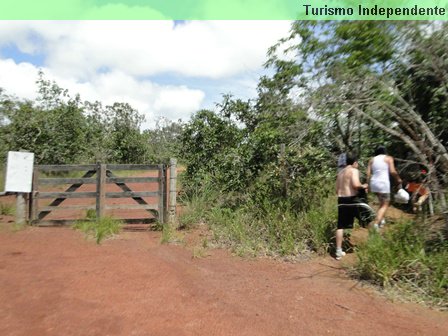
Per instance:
(413,187)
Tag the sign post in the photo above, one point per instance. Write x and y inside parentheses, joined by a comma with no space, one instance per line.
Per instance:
(19,177)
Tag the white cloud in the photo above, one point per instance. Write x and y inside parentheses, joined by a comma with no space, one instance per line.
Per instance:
(213,49)
(117,60)
(152,100)
(18,79)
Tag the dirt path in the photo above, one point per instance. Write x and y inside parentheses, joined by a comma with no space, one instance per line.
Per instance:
(54,282)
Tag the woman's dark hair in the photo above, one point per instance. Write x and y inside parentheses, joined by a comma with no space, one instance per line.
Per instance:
(380,150)
(351,158)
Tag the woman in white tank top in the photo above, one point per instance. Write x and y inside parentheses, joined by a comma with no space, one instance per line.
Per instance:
(378,171)
(379,182)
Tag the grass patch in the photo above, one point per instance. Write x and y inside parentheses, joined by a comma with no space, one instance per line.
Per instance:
(199,252)
(406,260)
(277,232)
(264,229)
(167,234)
(99,229)
(196,206)
(320,224)
(170,235)
(7,209)
(15,227)
(2,177)
(91,214)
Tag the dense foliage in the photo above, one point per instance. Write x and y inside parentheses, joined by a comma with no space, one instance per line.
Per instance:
(61,129)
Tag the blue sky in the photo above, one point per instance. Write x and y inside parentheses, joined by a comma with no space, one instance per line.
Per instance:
(11,51)
(162,68)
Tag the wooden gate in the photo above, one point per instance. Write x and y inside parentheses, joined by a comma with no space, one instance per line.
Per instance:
(98,184)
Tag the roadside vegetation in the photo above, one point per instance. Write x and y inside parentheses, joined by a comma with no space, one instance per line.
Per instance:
(7,209)
(99,229)
(407,260)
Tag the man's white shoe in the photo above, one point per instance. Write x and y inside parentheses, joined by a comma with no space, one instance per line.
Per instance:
(382,223)
(339,254)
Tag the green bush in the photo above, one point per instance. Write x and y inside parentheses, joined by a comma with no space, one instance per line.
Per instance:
(405,259)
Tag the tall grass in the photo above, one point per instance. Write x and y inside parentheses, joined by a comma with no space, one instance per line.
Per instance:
(2,177)
(281,231)
(406,259)
(170,235)
(320,224)
(7,209)
(99,229)
(196,205)
(262,229)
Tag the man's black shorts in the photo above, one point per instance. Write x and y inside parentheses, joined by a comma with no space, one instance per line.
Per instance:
(353,207)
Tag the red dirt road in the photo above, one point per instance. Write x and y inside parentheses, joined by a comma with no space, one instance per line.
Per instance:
(55,282)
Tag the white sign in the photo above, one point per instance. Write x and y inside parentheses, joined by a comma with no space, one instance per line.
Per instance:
(19,172)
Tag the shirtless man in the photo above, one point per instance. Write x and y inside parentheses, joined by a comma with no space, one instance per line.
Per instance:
(347,186)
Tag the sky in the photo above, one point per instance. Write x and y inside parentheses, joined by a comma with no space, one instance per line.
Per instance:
(167,69)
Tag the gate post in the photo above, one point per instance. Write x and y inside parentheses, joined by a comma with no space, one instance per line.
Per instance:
(33,197)
(162,194)
(20,208)
(173,191)
(100,190)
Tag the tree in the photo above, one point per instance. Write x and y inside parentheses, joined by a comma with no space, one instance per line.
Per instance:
(207,142)
(328,49)
(363,77)
(54,129)
(164,140)
(60,129)
(98,132)
(423,78)
(127,142)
